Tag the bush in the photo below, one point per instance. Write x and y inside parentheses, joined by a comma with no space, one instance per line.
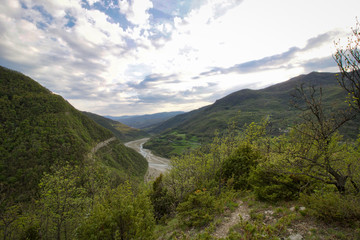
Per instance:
(270,185)
(238,165)
(331,206)
(161,199)
(198,210)
(119,214)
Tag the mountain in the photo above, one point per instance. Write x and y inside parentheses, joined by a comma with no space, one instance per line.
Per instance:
(145,121)
(120,130)
(187,130)
(40,130)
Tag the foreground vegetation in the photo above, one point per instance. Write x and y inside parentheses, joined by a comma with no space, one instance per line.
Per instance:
(304,183)
(275,180)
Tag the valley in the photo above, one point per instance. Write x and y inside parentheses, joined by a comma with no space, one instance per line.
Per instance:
(157,165)
(187,131)
(179,120)
(247,166)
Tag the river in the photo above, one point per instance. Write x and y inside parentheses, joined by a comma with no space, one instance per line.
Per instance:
(157,165)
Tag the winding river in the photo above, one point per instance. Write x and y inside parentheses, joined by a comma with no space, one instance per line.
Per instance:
(157,165)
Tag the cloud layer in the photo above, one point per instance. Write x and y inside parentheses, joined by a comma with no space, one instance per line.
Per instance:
(121,57)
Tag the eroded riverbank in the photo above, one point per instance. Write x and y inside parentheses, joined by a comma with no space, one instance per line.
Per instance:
(157,165)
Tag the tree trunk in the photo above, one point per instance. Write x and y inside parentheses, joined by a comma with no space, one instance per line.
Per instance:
(340,184)
(355,186)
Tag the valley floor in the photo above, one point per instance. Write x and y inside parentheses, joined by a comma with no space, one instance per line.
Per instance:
(157,165)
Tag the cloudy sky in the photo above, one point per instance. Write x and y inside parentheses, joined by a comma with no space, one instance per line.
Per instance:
(125,57)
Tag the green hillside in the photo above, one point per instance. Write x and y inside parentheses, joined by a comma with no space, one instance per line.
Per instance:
(187,130)
(121,131)
(40,130)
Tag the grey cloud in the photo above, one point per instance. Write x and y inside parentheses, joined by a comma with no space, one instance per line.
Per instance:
(152,80)
(159,98)
(198,90)
(129,108)
(78,46)
(277,61)
(320,63)
(319,40)
(205,93)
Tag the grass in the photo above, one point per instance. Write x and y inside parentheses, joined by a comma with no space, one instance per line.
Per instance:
(176,143)
(267,221)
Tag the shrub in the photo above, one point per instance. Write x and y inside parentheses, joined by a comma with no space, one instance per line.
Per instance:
(198,210)
(161,200)
(271,185)
(331,206)
(238,165)
(119,214)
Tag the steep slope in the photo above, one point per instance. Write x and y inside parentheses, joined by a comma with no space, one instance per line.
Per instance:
(40,129)
(246,106)
(120,130)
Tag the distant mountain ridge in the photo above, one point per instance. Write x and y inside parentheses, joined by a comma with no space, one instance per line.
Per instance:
(145,121)
(246,106)
(120,130)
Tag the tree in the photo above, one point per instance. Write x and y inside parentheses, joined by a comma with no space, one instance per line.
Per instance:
(62,203)
(314,148)
(161,200)
(119,214)
(348,61)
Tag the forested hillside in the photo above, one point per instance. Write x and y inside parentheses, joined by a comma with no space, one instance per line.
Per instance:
(187,130)
(121,131)
(48,149)
(40,129)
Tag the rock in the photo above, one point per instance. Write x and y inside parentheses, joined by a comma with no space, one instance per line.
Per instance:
(293,209)
(295,237)
(269,212)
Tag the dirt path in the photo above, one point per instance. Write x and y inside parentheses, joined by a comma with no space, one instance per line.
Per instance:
(157,165)
(234,218)
(102,144)
(98,146)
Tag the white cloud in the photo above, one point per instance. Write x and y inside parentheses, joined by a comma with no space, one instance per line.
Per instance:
(136,11)
(96,63)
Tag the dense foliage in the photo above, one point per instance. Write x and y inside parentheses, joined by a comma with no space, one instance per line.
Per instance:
(38,129)
(50,171)
(238,166)
(119,214)
(121,131)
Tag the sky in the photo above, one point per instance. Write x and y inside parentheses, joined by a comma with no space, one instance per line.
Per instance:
(130,57)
